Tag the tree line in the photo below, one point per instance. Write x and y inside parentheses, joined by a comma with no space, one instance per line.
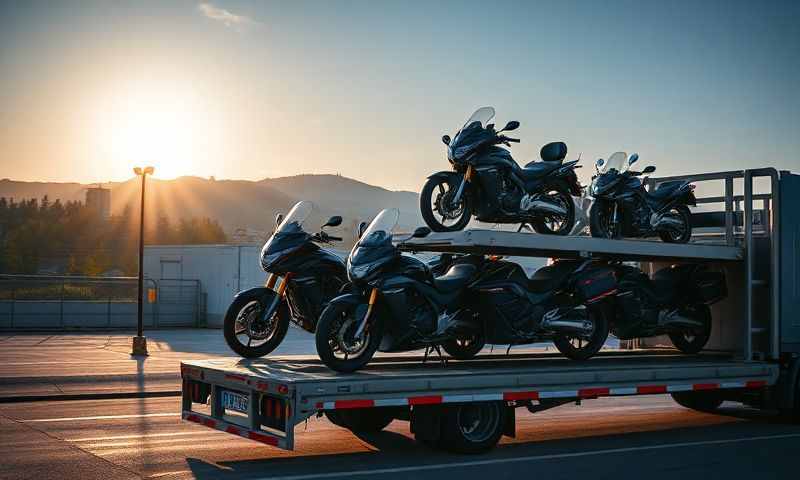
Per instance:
(72,238)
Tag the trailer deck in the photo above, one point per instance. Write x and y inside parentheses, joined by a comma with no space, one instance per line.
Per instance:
(282,392)
(498,242)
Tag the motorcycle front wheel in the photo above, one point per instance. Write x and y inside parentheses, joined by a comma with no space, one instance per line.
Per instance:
(557,224)
(437,208)
(585,347)
(250,335)
(600,225)
(337,345)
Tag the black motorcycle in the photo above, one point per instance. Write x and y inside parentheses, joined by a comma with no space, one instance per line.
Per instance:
(674,303)
(624,208)
(488,183)
(564,303)
(397,304)
(257,320)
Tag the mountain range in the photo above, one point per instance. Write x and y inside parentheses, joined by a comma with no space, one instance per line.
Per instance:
(238,204)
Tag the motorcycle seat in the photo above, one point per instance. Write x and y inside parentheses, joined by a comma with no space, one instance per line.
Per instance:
(666,189)
(550,277)
(535,170)
(456,277)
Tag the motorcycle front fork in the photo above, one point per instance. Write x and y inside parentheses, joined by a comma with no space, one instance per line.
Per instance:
(373,297)
(272,279)
(460,191)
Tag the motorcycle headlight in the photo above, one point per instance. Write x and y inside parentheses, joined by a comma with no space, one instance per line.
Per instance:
(360,272)
(599,187)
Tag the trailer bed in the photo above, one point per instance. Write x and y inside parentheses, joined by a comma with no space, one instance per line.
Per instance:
(284,391)
(498,242)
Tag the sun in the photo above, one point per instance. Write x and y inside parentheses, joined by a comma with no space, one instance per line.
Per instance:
(155,124)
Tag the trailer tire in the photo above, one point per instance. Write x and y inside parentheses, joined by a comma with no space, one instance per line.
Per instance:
(707,402)
(362,420)
(472,427)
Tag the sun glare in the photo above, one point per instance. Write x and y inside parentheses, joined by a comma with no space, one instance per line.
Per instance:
(156,125)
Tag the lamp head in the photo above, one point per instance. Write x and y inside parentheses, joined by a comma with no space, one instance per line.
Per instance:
(137,170)
(149,170)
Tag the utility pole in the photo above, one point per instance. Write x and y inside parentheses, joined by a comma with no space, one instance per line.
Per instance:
(140,341)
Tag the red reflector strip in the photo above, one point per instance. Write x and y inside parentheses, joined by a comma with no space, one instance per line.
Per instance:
(593,392)
(648,389)
(756,384)
(521,396)
(194,418)
(705,386)
(354,403)
(233,430)
(230,376)
(209,423)
(425,400)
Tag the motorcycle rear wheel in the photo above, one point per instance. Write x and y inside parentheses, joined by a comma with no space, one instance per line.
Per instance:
(579,348)
(693,342)
(464,348)
(686,233)
(544,226)
(434,199)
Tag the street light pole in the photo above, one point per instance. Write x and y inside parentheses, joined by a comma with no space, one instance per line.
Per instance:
(140,341)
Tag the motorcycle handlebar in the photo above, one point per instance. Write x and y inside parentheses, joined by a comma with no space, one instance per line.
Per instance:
(337,239)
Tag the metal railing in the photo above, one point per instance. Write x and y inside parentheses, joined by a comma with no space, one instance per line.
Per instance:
(61,302)
(769,226)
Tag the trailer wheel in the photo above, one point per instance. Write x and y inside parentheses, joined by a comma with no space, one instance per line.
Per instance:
(472,427)
(707,402)
(362,420)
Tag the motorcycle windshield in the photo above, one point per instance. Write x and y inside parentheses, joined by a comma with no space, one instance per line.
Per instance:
(617,161)
(288,237)
(376,242)
(472,134)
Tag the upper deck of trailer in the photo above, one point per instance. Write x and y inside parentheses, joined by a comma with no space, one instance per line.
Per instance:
(497,242)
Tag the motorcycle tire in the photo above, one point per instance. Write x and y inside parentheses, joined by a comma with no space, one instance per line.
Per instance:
(464,351)
(564,195)
(328,326)
(686,218)
(426,206)
(592,345)
(598,225)
(695,341)
(281,326)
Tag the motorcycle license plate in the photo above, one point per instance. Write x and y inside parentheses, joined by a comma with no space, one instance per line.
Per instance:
(234,401)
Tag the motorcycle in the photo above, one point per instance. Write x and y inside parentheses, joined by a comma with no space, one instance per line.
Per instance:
(397,304)
(674,303)
(258,319)
(488,183)
(564,303)
(624,208)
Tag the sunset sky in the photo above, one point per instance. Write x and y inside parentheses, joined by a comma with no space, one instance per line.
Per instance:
(248,90)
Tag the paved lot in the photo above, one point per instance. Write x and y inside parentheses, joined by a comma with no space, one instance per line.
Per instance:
(606,438)
(145,438)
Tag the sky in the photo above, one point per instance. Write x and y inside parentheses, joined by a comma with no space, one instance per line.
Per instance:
(255,89)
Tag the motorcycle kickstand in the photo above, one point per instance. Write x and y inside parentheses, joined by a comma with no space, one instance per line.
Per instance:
(442,358)
(508,350)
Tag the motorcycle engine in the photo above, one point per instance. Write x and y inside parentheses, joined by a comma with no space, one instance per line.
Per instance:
(422,316)
(510,197)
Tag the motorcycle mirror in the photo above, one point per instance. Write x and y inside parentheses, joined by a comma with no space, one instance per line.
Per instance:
(633,158)
(512,125)
(599,163)
(334,221)
(648,169)
(421,232)
(363,226)
(446,139)
(278,219)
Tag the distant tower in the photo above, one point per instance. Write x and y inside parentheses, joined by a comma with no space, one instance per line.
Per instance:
(98,199)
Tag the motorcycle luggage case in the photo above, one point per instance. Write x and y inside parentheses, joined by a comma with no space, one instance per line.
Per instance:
(595,283)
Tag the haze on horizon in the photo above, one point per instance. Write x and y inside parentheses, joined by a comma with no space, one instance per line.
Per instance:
(247,90)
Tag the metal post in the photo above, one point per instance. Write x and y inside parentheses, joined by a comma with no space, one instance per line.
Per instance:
(775,281)
(748,266)
(729,210)
(139,341)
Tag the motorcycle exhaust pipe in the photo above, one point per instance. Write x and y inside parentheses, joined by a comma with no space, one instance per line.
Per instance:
(564,324)
(543,205)
(668,222)
(674,319)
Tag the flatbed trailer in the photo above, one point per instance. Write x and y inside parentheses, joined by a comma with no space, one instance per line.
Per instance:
(283,392)
(466,406)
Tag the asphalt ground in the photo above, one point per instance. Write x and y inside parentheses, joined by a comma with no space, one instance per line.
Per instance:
(649,437)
